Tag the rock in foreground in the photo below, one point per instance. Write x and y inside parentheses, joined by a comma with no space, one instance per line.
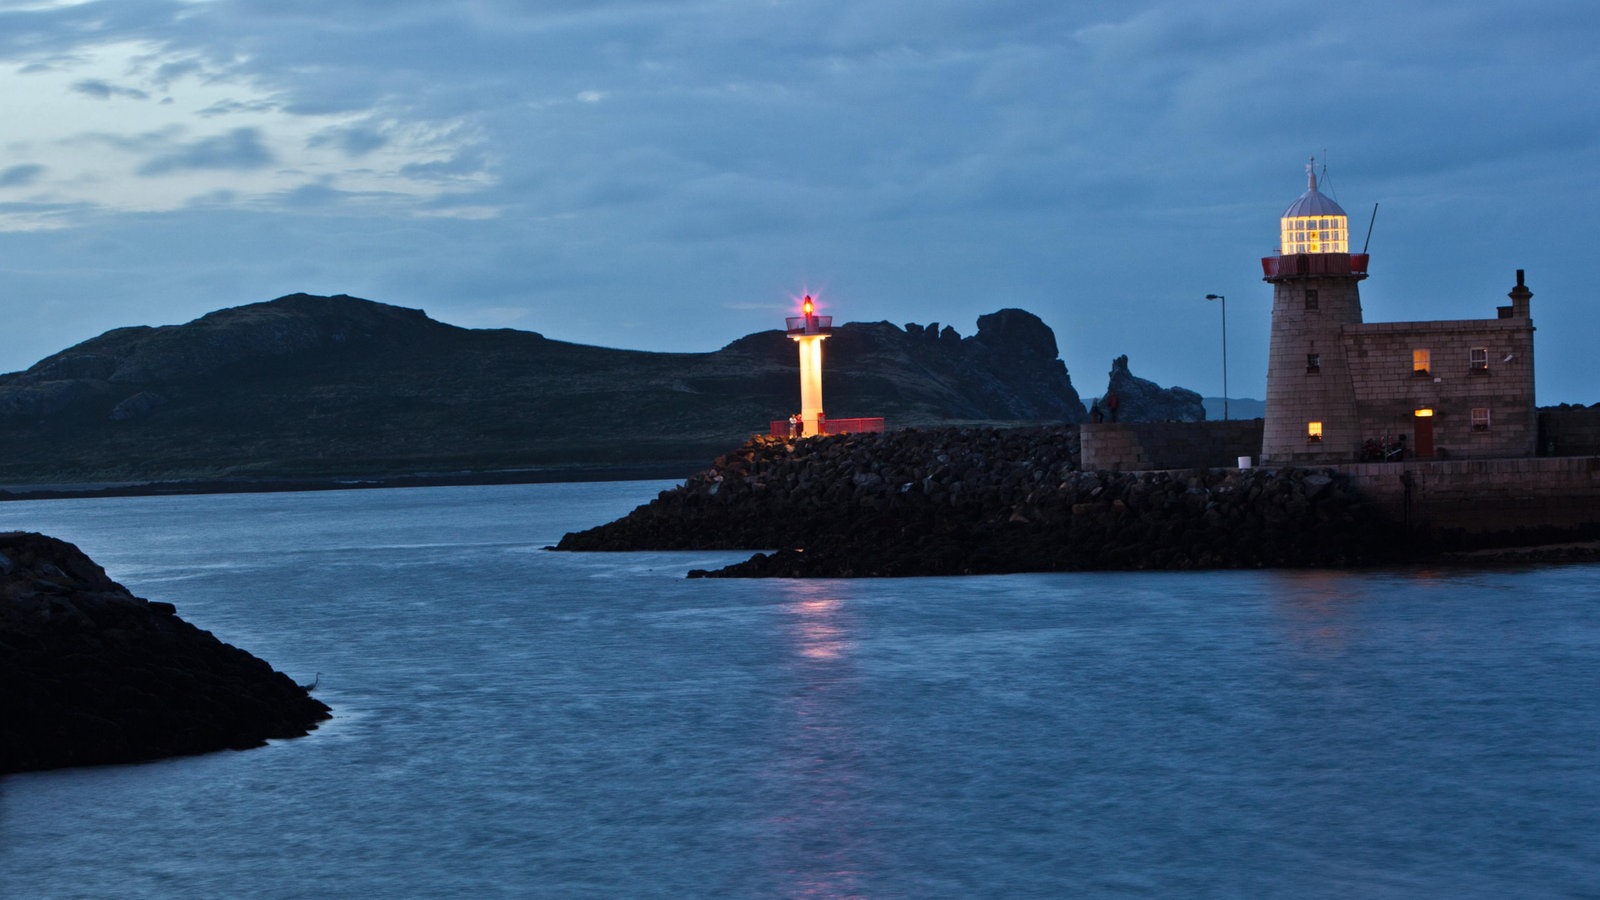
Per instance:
(90,674)
(985,500)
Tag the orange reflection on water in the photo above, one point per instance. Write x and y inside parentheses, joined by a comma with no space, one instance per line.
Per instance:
(816,616)
(818,631)
(1315,606)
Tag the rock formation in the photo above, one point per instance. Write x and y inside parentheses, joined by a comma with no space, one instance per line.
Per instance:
(90,674)
(1142,400)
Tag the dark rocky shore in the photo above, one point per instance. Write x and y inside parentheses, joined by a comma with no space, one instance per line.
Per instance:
(90,674)
(986,500)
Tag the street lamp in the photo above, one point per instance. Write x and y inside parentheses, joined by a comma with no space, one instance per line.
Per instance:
(1224,351)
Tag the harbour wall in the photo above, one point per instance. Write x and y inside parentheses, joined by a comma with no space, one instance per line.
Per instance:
(1143,446)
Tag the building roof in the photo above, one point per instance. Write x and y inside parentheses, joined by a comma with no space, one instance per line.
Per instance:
(1313,202)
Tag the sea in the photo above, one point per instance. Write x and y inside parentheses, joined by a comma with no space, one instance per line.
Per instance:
(511,721)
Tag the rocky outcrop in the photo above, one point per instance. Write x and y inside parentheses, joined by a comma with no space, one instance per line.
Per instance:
(90,674)
(1142,400)
(970,501)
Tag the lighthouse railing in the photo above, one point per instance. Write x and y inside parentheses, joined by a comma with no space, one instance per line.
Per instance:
(809,324)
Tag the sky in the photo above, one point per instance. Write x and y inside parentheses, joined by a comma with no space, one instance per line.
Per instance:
(672,175)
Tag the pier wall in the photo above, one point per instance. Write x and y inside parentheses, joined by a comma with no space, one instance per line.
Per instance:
(1140,446)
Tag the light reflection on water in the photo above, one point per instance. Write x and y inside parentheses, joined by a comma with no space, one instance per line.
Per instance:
(514,722)
(826,841)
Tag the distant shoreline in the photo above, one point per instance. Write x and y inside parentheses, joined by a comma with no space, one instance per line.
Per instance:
(636,472)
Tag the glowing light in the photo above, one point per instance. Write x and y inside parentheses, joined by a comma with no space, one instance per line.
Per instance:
(1316,234)
(1314,431)
(808,306)
(1423,414)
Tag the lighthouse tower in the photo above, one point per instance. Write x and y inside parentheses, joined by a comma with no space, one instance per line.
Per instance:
(809,330)
(1311,411)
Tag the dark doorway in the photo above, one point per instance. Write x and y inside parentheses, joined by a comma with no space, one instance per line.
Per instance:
(1424,435)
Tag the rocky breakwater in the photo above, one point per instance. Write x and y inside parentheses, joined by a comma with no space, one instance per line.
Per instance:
(974,500)
(90,674)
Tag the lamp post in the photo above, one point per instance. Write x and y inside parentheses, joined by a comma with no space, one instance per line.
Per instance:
(1224,351)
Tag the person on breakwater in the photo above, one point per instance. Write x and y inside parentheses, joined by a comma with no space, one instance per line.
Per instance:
(1112,403)
(794,426)
(1095,415)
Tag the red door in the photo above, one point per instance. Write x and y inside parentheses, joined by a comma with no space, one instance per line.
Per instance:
(1424,443)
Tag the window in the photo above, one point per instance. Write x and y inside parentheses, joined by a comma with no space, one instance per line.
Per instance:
(1479,359)
(1313,362)
(1314,432)
(1480,418)
(1420,362)
(1315,234)
(1311,298)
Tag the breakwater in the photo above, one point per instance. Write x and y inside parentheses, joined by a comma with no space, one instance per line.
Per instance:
(988,500)
(90,674)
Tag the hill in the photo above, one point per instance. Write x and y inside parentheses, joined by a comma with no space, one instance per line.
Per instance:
(306,387)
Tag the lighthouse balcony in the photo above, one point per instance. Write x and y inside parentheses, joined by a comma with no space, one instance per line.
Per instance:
(800,325)
(1311,265)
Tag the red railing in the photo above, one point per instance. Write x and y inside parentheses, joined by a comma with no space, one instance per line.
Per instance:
(780,427)
(1295,265)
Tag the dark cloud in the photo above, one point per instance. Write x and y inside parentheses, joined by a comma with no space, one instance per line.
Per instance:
(240,149)
(355,142)
(102,90)
(21,176)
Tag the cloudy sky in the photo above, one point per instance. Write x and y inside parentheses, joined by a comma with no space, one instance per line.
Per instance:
(671,174)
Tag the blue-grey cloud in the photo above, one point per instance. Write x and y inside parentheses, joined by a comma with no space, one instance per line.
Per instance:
(240,149)
(355,142)
(104,90)
(21,175)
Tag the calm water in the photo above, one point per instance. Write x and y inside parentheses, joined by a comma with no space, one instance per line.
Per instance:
(514,722)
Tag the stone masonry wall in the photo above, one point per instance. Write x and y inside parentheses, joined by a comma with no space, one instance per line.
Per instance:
(1390,390)
(1485,495)
(1139,446)
(1569,431)
(1307,317)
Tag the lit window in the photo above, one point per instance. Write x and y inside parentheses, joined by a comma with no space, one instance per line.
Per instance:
(1314,431)
(1423,413)
(1311,298)
(1479,358)
(1420,362)
(1480,418)
(1313,362)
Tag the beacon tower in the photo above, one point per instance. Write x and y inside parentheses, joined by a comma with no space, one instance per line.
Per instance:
(809,330)
(1311,413)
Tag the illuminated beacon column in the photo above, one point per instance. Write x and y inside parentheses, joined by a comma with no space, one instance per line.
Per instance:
(809,331)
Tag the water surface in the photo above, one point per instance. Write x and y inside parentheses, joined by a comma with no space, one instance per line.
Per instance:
(517,722)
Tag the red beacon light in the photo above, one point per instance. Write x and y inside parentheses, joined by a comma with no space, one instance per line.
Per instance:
(809,322)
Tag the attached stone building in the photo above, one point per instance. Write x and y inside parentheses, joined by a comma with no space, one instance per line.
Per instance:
(1343,390)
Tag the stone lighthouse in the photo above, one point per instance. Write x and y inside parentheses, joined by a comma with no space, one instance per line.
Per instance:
(1311,413)
(809,330)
